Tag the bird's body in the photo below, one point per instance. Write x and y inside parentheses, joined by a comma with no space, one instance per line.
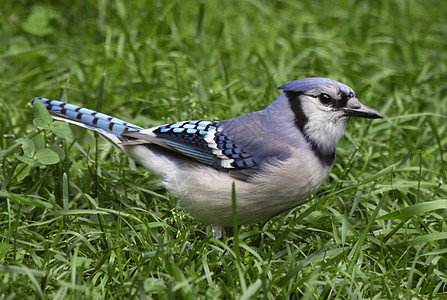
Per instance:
(276,157)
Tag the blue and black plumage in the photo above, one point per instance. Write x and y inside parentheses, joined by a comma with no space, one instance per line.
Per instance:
(276,157)
(194,138)
(200,140)
(89,118)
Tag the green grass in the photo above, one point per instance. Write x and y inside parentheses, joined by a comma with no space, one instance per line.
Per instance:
(81,220)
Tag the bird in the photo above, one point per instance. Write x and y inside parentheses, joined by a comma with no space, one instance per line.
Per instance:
(275,158)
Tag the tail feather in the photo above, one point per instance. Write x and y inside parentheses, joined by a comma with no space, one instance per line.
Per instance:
(155,155)
(84,117)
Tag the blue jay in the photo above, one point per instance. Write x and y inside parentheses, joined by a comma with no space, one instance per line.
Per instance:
(276,157)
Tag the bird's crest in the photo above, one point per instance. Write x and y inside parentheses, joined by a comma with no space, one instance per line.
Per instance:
(305,84)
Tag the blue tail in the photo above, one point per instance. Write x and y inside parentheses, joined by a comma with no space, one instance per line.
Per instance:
(89,118)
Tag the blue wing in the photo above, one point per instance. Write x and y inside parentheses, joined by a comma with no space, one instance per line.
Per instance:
(200,140)
(204,141)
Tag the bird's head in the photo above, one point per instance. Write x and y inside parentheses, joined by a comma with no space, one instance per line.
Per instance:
(322,108)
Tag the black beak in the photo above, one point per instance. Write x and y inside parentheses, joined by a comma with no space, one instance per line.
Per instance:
(356,109)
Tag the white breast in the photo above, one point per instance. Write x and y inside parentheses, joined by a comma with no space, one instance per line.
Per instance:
(206,193)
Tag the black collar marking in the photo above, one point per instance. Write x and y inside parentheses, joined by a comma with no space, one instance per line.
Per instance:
(326,158)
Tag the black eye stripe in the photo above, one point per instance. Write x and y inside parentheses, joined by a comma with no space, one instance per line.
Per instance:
(340,102)
(344,97)
(323,98)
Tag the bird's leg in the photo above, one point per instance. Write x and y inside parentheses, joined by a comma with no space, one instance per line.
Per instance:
(217,230)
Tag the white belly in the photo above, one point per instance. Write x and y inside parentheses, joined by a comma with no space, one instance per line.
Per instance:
(206,193)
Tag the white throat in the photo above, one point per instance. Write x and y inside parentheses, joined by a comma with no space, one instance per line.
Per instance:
(324,126)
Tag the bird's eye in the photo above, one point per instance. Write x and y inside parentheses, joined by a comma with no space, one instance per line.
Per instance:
(325,98)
